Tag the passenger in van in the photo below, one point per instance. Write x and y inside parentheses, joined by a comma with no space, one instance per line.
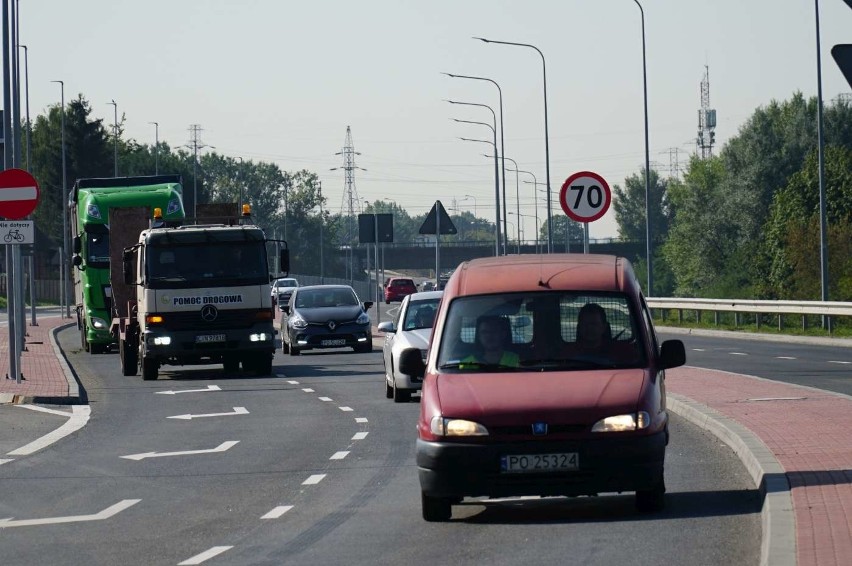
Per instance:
(493,336)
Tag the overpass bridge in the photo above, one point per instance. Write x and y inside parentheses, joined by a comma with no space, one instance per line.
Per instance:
(420,255)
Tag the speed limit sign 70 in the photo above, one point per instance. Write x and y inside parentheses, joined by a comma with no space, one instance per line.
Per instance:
(585,196)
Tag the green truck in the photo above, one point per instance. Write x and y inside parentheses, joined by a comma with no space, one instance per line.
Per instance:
(90,204)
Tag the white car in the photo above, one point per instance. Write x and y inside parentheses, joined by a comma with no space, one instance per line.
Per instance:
(411,328)
(283,285)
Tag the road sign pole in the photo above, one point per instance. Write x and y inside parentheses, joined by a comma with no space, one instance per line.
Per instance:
(438,251)
(585,237)
(376,264)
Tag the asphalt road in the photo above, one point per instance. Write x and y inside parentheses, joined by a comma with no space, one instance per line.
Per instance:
(316,466)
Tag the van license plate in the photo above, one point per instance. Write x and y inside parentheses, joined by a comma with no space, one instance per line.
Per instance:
(336,342)
(538,463)
(204,338)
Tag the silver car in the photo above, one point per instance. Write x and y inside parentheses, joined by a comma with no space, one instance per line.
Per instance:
(411,328)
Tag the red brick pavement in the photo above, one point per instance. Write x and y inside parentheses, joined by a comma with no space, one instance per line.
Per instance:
(43,375)
(810,435)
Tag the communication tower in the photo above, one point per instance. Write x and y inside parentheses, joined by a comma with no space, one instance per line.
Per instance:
(706,119)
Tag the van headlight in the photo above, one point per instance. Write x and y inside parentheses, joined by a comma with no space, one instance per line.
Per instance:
(623,423)
(441,426)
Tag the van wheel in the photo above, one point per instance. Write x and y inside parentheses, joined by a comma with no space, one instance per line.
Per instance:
(652,500)
(149,369)
(129,358)
(400,395)
(435,509)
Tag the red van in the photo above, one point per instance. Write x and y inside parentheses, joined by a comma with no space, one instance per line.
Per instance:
(544,377)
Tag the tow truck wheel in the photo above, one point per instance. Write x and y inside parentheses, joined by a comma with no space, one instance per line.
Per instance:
(231,365)
(83,342)
(263,366)
(149,369)
(129,358)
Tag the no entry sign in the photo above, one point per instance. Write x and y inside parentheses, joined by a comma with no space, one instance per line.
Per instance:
(18,194)
(585,196)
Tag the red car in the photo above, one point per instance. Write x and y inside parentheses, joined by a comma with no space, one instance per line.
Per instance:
(544,377)
(397,288)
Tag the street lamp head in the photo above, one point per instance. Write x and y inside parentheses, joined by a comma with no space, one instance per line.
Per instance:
(482,39)
(448,74)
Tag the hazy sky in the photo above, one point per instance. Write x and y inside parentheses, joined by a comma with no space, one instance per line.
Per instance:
(279,80)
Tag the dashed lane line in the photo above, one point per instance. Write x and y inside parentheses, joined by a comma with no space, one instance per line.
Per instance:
(360,435)
(738,353)
(292,382)
(308,390)
(346,409)
(205,556)
(361,420)
(699,350)
(326,399)
(314,479)
(277,512)
(838,362)
(784,358)
(339,455)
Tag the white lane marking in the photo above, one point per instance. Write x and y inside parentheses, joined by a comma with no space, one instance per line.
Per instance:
(187,417)
(6,460)
(784,358)
(277,512)
(292,382)
(345,409)
(221,448)
(308,390)
(46,410)
(100,516)
(838,362)
(360,435)
(206,555)
(339,455)
(314,479)
(78,419)
(699,350)
(325,399)
(361,419)
(738,353)
(205,390)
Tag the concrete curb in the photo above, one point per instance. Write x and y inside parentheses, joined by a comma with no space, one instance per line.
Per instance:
(778,519)
(759,337)
(70,376)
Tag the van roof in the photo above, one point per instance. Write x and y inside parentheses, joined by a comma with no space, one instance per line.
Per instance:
(587,272)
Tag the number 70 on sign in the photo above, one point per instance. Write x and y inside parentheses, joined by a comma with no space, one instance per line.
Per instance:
(585,196)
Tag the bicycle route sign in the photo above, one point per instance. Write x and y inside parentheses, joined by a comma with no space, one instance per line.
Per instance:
(19,195)
(17,232)
(585,196)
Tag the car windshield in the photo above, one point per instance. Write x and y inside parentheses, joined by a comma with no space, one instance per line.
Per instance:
(541,331)
(420,314)
(322,298)
(286,283)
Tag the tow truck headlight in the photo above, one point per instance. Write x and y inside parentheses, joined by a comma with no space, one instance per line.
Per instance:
(442,426)
(173,206)
(260,337)
(623,423)
(298,322)
(363,318)
(161,340)
(98,323)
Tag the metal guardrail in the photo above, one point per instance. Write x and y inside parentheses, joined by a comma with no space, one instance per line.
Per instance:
(829,308)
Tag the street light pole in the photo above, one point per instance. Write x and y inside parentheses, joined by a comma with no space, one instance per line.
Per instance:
(322,220)
(546,135)
(156,147)
(502,139)
(33,320)
(517,188)
(535,202)
(823,227)
(474,203)
(497,231)
(67,263)
(240,187)
(648,245)
(115,137)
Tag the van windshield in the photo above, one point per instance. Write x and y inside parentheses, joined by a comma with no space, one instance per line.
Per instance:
(541,331)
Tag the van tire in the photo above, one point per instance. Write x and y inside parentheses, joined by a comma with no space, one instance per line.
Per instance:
(652,500)
(435,509)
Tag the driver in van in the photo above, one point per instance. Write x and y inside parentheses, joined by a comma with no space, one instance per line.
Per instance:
(493,336)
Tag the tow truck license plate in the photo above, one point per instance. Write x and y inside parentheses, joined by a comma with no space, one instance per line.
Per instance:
(335,342)
(209,338)
(537,463)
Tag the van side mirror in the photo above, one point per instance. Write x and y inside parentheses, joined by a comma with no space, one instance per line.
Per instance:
(78,244)
(284,261)
(672,354)
(411,363)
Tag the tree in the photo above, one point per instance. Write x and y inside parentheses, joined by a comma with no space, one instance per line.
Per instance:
(561,240)
(629,205)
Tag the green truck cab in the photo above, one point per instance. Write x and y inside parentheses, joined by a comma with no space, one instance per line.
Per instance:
(90,204)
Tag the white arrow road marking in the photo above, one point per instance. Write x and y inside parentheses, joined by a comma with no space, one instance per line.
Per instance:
(277,512)
(209,388)
(105,514)
(314,479)
(221,448)
(46,410)
(77,420)
(237,411)
(206,555)
(6,460)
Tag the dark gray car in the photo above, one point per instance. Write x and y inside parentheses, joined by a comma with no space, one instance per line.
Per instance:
(325,316)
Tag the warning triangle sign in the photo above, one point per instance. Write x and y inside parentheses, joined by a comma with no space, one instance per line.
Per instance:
(430,225)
